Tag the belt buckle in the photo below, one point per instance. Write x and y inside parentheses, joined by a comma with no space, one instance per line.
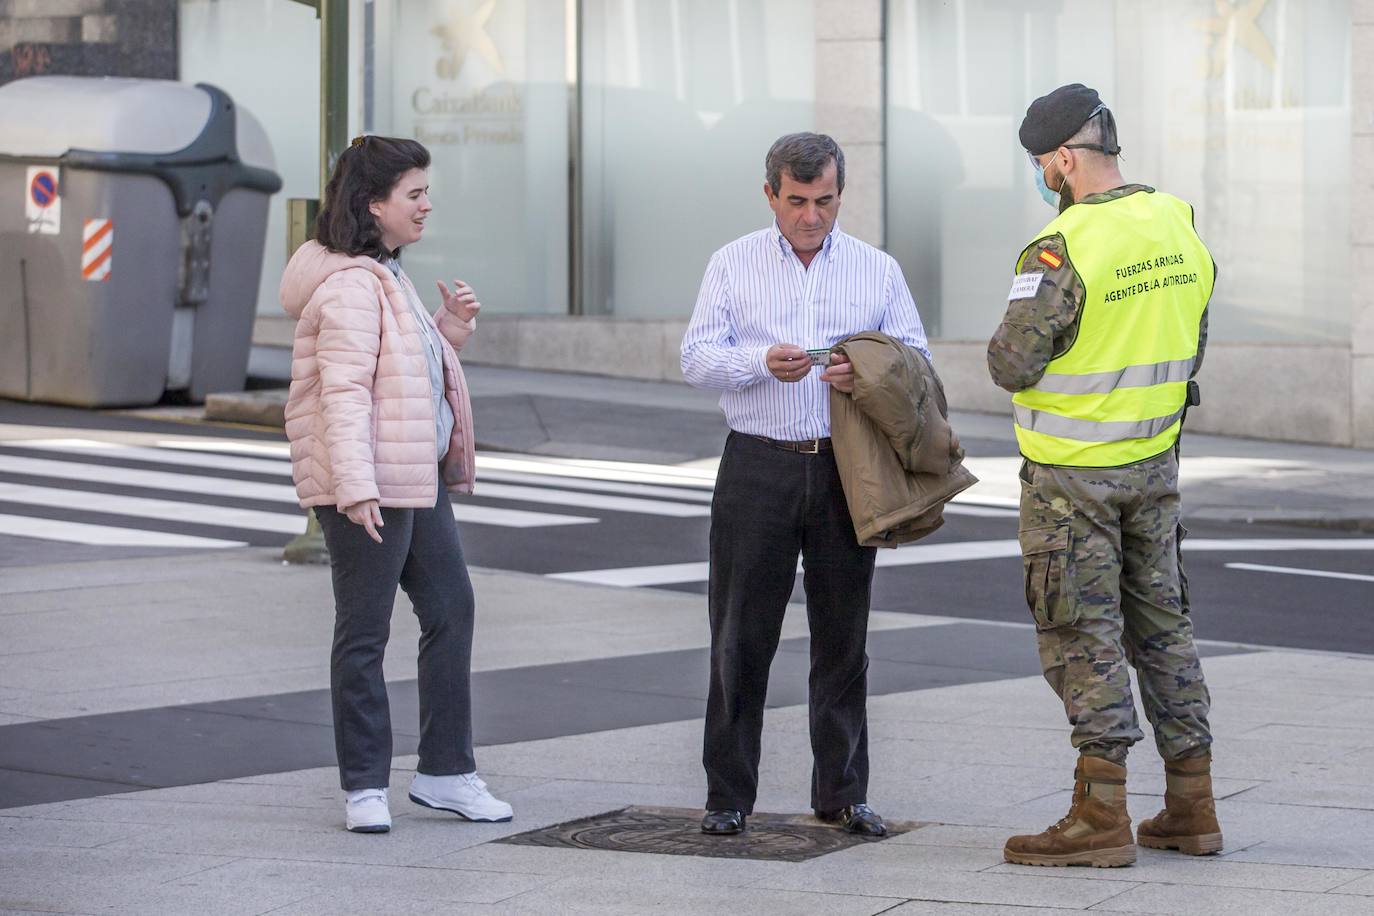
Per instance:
(812,447)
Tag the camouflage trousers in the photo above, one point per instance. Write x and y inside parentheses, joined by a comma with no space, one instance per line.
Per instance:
(1105,584)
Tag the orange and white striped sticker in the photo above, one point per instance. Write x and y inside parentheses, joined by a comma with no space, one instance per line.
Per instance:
(97,249)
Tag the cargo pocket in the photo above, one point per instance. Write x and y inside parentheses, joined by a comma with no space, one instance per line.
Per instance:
(1046,555)
(1179,535)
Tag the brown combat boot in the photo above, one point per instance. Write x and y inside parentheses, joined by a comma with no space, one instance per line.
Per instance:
(1188,822)
(1097,829)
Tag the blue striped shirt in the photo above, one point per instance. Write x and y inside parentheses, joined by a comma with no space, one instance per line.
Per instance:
(756,293)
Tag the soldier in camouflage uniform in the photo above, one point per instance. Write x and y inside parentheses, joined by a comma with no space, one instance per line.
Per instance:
(1103,569)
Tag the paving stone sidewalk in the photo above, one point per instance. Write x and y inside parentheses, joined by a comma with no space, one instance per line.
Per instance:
(970,763)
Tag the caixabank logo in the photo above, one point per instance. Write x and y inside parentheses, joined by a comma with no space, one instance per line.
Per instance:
(473,95)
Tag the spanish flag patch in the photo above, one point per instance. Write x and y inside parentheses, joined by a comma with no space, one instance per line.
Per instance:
(1051,259)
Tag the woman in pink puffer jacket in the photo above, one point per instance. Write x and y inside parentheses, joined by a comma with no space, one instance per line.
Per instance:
(381,429)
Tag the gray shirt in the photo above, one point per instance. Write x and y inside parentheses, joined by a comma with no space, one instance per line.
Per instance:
(434,357)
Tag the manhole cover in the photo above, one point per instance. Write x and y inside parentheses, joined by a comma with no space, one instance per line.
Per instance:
(677,832)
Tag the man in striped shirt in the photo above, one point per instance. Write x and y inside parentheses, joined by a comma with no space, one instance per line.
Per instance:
(767,298)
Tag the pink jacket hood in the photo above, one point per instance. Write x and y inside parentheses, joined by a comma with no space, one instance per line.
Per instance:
(310,266)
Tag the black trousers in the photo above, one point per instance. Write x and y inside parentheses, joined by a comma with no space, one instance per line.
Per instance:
(420,551)
(771,505)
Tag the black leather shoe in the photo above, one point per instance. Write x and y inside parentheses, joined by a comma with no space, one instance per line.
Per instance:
(723,822)
(859,819)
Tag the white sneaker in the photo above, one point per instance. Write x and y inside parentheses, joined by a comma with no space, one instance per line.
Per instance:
(367,811)
(464,795)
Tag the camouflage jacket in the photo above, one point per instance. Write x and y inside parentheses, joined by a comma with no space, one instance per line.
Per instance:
(1037,329)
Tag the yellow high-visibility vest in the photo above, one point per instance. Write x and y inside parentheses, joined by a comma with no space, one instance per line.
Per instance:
(1117,394)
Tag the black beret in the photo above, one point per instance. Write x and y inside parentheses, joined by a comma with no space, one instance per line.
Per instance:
(1052,119)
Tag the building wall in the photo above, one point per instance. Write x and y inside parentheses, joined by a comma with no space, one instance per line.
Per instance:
(1362,223)
(849,105)
(88,38)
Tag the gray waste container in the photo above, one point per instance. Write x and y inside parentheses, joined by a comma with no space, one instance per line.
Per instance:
(133,268)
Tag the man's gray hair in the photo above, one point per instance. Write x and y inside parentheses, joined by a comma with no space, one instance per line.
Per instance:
(804,156)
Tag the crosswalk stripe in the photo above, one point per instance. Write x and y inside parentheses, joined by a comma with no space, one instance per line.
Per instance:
(639,576)
(977,511)
(181,457)
(247,489)
(680,573)
(279,450)
(625,472)
(591,500)
(957,551)
(1293,571)
(1279,544)
(275,492)
(143,507)
(601,486)
(155,480)
(178,454)
(102,535)
(515,518)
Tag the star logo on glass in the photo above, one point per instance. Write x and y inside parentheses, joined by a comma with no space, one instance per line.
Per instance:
(466,32)
(1235,23)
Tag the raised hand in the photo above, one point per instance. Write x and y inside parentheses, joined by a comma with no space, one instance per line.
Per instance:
(462,302)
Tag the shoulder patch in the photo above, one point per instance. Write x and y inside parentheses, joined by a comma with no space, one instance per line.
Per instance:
(1024,286)
(1049,258)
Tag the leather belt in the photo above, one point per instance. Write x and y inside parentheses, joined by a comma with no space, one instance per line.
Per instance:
(805,446)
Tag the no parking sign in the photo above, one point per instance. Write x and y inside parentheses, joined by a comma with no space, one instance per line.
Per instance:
(42,203)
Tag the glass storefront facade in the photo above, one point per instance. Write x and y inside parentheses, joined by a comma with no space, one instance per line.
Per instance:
(1243,110)
(590,154)
(484,86)
(587,156)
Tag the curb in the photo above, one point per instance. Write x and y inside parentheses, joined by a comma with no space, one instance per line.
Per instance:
(257,408)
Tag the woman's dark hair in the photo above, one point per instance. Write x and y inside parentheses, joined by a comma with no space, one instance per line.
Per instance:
(367,171)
